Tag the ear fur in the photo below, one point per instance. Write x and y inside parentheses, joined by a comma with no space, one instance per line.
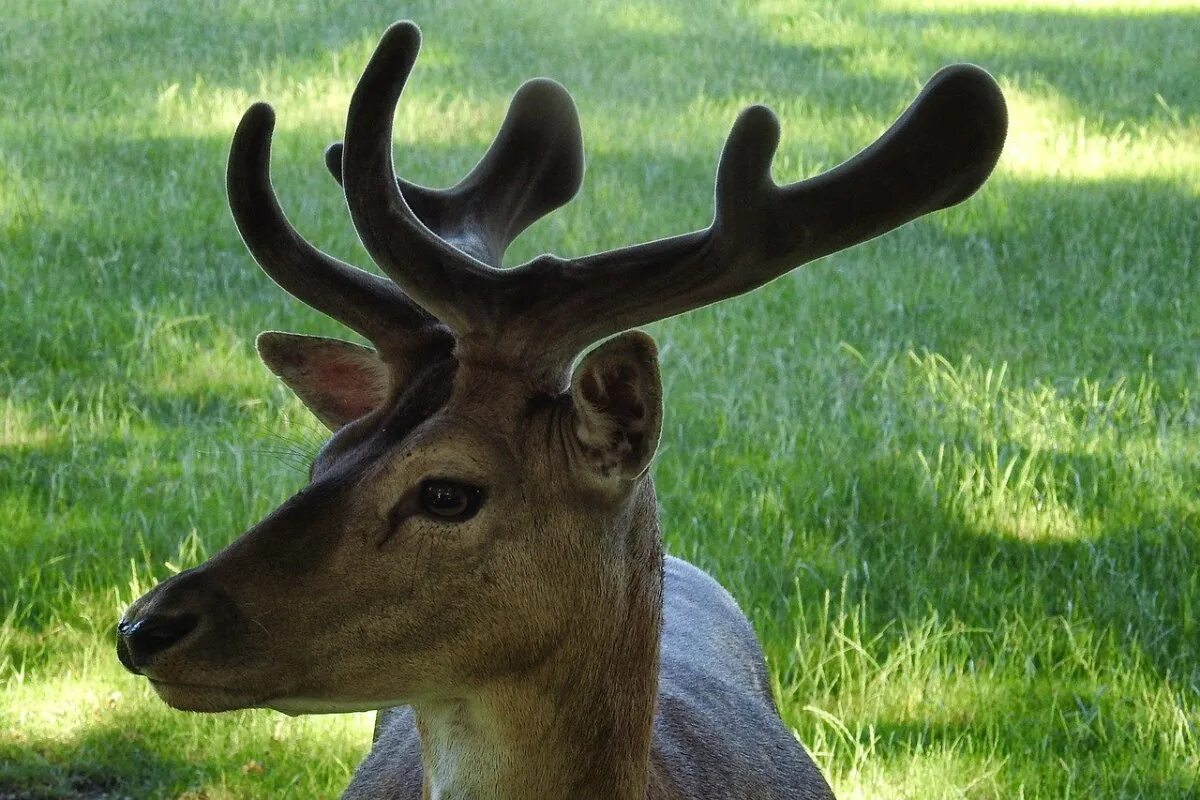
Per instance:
(338,381)
(617,397)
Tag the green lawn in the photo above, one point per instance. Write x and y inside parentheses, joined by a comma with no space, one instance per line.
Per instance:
(952,475)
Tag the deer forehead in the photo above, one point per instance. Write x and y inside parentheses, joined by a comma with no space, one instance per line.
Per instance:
(455,446)
(474,431)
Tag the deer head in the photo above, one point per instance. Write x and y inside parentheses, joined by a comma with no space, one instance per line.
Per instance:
(480,501)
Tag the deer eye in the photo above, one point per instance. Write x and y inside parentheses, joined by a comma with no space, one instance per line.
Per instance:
(455,502)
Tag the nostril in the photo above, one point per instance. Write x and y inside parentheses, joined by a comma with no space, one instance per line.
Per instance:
(149,636)
(166,630)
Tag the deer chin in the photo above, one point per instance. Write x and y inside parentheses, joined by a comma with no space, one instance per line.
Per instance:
(201,697)
(297,706)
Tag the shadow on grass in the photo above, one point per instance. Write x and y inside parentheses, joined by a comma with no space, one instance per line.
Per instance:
(107,760)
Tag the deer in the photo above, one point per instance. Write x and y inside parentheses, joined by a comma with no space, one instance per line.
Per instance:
(476,555)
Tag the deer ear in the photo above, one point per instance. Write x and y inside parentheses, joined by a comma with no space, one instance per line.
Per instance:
(338,381)
(617,397)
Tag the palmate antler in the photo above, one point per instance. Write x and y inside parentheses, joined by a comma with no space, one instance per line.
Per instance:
(443,248)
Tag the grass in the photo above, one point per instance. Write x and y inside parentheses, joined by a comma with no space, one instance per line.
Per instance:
(951,474)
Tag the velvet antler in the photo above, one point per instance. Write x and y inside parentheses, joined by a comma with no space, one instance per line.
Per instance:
(366,303)
(937,154)
(443,247)
(534,165)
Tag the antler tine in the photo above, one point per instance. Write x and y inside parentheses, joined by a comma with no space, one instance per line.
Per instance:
(423,200)
(449,283)
(533,166)
(366,303)
(935,155)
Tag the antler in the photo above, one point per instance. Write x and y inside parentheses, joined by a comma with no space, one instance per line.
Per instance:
(363,302)
(936,154)
(447,281)
(534,165)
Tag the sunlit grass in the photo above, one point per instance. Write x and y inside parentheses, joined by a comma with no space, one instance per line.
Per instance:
(951,475)
(17,428)
(1122,7)
(1053,139)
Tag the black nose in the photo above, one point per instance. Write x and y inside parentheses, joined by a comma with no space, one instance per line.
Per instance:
(140,640)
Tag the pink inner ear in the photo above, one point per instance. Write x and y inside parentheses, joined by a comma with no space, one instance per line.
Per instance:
(336,373)
(354,388)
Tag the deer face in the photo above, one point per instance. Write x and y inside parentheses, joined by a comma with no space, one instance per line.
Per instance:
(478,497)
(447,537)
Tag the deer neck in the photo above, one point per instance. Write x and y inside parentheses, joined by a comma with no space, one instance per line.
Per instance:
(579,724)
